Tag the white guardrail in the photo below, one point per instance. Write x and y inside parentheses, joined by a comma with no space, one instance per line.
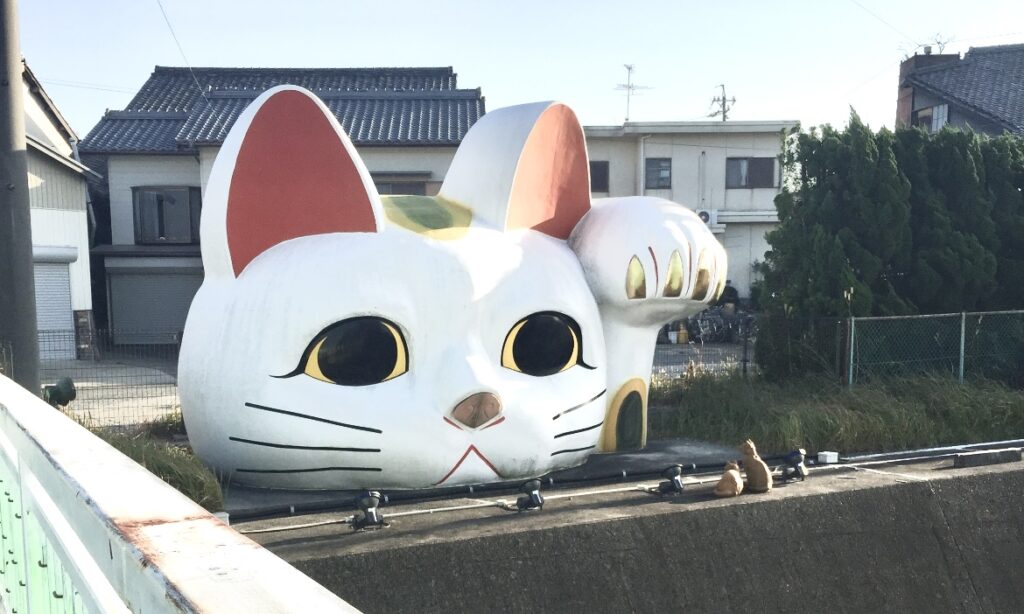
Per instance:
(85,529)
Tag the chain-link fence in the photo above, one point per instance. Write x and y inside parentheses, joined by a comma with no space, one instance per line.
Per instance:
(989,344)
(117,383)
(120,381)
(960,345)
(714,342)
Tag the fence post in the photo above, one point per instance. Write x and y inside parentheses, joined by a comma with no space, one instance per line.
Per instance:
(963,329)
(853,330)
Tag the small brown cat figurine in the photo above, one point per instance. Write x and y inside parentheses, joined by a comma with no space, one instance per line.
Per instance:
(731,484)
(759,478)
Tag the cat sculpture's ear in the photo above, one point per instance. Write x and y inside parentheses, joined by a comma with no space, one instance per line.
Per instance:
(523,167)
(286,170)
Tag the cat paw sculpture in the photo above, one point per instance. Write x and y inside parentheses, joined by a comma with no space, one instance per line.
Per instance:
(499,330)
(759,477)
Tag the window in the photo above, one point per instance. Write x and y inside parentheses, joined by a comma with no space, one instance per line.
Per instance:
(598,176)
(410,188)
(931,119)
(750,173)
(166,215)
(659,174)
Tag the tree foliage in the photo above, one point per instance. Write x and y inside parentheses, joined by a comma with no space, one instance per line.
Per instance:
(897,223)
(883,223)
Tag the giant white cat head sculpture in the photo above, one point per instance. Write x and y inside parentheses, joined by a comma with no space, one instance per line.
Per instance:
(499,330)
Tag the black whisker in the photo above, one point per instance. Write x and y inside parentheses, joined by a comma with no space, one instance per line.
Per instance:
(596,397)
(308,417)
(584,429)
(311,470)
(291,447)
(572,450)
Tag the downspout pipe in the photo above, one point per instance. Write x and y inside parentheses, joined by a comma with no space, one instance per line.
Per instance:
(640,164)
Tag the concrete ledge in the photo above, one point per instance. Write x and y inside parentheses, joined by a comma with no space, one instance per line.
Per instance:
(926,539)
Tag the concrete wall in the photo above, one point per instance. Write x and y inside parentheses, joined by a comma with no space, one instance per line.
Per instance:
(951,545)
(126,172)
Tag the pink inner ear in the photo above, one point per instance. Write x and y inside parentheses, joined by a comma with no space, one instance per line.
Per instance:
(551,190)
(293,177)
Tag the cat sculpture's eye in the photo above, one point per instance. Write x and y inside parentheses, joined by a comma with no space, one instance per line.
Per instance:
(356,352)
(543,343)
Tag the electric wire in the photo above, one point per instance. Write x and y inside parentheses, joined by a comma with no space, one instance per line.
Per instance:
(887,24)
(182,51)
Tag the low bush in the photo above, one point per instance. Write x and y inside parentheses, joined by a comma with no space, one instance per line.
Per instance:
(818,413)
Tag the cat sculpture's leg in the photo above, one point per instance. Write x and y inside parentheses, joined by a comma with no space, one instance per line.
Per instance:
(648,262)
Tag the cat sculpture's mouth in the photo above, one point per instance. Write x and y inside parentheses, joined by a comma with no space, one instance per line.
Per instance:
(471,453)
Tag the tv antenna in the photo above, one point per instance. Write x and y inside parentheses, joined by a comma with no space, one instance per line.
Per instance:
(724,104)
(629,87)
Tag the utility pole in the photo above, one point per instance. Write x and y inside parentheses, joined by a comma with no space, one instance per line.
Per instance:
(17,283)
(629,87)
(724,104)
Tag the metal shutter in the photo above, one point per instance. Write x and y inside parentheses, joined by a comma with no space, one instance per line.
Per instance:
(54,319)
(150,308)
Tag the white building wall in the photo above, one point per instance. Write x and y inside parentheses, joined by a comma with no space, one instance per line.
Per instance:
(57,198)
(52,185)
(126,172)
(38,124)
(698,182)
(63,228)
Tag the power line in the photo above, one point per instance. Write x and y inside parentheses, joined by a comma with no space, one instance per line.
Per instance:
(182,51)
(887,24)
(87,86)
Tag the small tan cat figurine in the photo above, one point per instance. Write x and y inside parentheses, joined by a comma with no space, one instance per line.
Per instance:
(759,478)
(731,484)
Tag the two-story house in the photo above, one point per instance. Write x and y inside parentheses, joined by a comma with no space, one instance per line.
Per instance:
(157,153)
(728,172)
(983,90)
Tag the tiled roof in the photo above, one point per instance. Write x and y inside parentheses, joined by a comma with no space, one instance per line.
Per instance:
(988,81)
(376,106)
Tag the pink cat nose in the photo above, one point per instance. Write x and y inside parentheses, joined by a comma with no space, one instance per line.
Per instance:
(476,409)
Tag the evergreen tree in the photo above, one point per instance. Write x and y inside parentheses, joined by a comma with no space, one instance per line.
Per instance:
(1004,172)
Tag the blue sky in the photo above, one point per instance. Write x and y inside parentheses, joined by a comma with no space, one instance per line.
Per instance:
(789,59)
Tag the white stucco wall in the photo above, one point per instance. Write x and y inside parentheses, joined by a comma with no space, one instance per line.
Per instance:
(126,172)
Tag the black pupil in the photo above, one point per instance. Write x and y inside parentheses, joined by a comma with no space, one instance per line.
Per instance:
(358,352)
(544,345)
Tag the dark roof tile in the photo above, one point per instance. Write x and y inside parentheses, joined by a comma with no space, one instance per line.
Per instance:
(376,106)
(988,81)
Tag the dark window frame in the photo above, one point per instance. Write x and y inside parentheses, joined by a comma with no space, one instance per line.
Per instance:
(658,173)
(599,180)
(193,211)
(760,172)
